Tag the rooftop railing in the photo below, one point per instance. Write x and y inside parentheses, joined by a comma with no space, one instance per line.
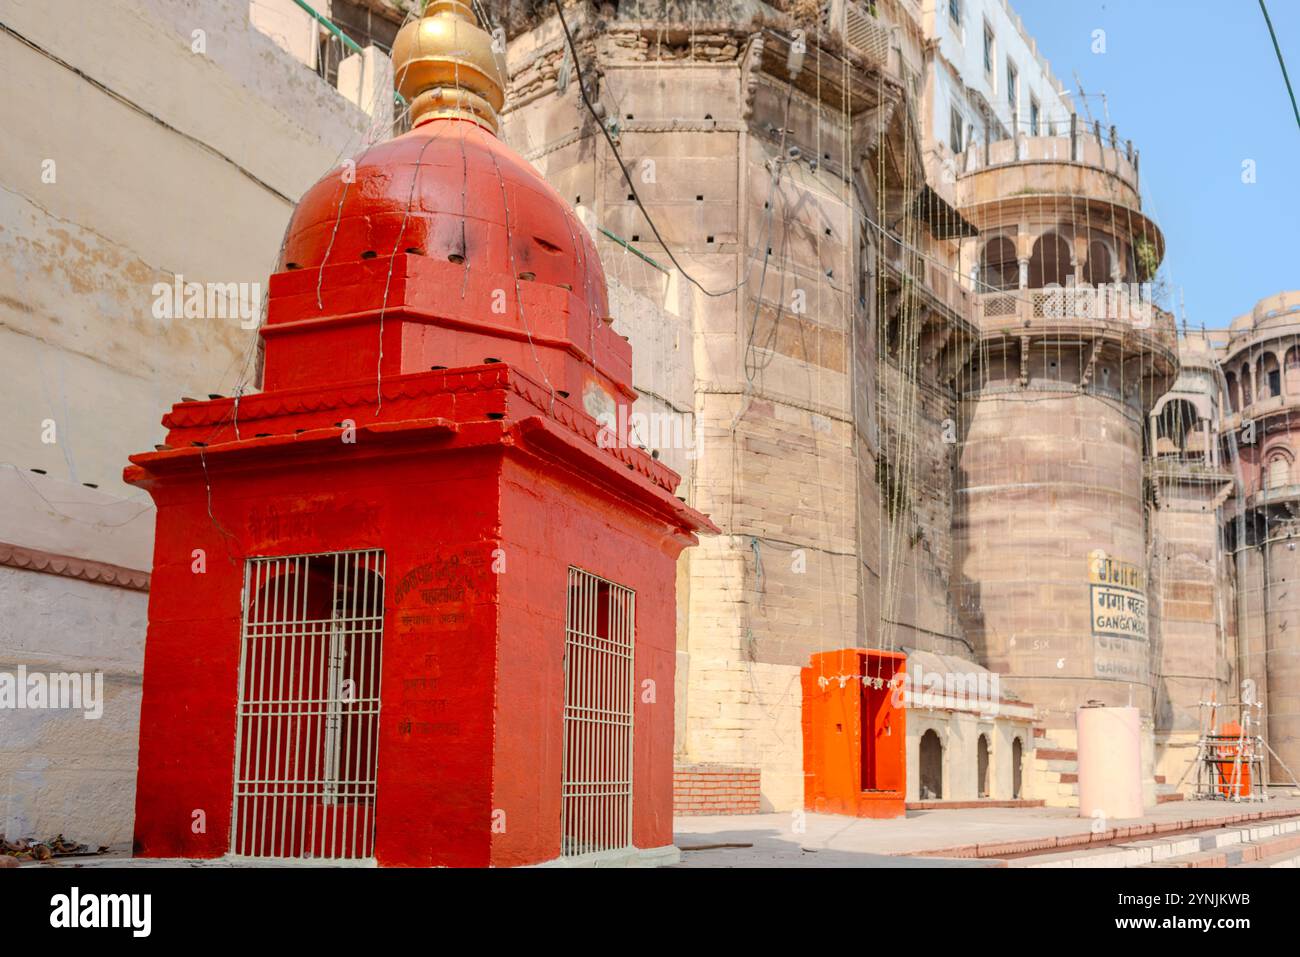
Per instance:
(1078,143)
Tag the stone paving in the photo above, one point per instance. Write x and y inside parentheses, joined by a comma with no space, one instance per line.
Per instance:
(827,840)
(834,841)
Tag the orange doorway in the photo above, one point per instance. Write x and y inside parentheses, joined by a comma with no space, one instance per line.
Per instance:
(855,732)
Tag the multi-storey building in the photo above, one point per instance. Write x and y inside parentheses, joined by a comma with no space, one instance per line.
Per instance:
(1259,373)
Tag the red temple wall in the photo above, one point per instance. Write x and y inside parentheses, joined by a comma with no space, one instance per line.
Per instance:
(446,610)
(432,517)
(551,522)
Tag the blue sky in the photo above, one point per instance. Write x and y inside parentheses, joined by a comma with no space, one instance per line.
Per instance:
(1196,85)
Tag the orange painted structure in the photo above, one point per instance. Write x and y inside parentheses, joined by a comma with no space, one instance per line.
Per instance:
(855,733)
(1234,777)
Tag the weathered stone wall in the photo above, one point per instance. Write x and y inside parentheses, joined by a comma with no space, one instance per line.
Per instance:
(1048,480)
(62,771)
(917,543)
(195,177)
(775,364)
(1269,575)
(1189,593)
(1192,605)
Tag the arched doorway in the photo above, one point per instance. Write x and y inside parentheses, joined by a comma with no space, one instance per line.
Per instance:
(1097,270)
(1017,772)
(1050,263)
(998,266)
(931,767)
(1270,377)
(982,766)
(309,677)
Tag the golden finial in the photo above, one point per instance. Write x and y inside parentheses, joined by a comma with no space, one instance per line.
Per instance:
(445,65)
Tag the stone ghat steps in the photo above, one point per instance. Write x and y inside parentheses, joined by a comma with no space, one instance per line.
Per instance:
(1267,844)
(1026,851)
(1056,771)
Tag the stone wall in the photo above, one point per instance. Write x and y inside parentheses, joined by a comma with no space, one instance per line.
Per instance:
(1051,480)
(741,173)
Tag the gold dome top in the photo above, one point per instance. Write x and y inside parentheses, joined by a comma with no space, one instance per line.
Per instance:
(444,64)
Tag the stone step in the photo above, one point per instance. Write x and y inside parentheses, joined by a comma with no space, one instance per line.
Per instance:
(942,805)
(1284,860)
(1056,754)
(1268,844)
(1262,850)
(1036,848)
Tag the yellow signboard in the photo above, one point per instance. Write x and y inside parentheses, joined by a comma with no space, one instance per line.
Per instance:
(1108,571)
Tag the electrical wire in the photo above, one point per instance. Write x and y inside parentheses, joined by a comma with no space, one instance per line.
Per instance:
(1280,61)
(604,128)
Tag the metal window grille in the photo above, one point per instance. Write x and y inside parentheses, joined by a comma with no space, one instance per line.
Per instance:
(596,805)
(306,744)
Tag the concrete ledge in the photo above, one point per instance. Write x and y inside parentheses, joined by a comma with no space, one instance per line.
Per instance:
(1106,837)
(1226,848)
(623,857)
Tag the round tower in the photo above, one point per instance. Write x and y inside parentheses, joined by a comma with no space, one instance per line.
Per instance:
(1051,503)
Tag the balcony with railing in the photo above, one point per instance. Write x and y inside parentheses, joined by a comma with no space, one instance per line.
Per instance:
(1089,313)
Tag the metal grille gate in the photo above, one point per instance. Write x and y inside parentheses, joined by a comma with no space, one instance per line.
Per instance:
(306,744)
(596,795)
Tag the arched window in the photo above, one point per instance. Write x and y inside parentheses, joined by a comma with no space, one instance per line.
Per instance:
(1097,270)
(1050,262)
(1233,398)
(1176,420)
(998,266)
(931,764)
(1017,774)
(1279,471)
(1270,376)
(1291,371)
(982,766)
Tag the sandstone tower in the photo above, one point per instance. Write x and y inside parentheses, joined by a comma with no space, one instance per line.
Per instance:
(756,154)
(1191,480)
(1261,374)
(1050,490)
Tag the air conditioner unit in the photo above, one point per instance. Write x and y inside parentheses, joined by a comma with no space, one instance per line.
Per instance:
(853,22)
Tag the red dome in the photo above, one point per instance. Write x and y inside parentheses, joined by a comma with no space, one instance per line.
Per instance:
(450,190)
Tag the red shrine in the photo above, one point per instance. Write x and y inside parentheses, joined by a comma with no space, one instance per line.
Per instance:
(406,607)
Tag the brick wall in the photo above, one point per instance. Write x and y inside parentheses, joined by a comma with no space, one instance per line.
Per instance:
(715,789)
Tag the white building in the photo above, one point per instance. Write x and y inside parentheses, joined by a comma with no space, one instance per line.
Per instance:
(989,78)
